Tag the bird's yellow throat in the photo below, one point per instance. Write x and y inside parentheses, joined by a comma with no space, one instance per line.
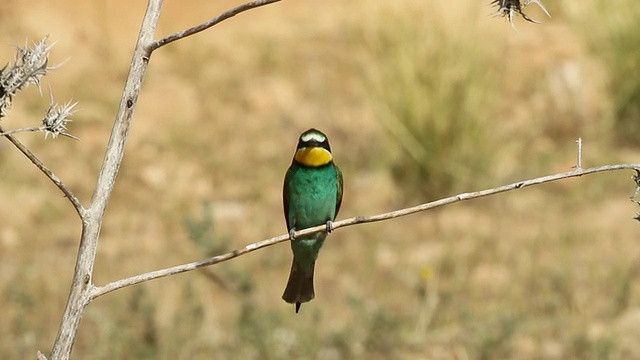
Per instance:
(314,156)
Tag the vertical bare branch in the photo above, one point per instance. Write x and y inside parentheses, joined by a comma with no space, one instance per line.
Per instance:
(81,284)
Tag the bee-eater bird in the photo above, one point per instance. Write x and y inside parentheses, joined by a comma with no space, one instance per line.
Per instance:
(312,195)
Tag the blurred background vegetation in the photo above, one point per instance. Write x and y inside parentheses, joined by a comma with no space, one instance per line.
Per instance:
(420,100)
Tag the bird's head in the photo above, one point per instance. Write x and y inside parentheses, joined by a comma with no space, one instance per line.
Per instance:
(313,149)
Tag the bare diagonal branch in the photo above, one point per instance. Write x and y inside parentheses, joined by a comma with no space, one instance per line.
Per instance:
(65,190)
(101,290)
(218,19)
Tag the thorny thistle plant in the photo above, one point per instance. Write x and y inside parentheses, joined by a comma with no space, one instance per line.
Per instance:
(55,120)
(29,66)
(512,8)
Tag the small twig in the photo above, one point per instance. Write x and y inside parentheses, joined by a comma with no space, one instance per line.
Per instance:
(11,132)
(101,290)
(35,129)
(196,29)
(65,190)
(579,163)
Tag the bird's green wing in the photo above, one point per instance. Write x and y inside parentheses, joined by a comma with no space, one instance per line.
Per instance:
(286,191)
(339,194)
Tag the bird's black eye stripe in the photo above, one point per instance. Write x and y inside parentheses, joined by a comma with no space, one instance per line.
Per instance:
(313,143)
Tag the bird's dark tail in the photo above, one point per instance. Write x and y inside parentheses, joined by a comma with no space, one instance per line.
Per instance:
(300,286)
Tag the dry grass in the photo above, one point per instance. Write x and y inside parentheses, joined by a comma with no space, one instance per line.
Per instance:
(549,272)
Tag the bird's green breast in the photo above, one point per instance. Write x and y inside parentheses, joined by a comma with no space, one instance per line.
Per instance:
(311,195)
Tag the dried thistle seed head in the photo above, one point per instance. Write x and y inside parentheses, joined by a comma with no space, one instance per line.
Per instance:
(29,66)
(55,120)
(512,8)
